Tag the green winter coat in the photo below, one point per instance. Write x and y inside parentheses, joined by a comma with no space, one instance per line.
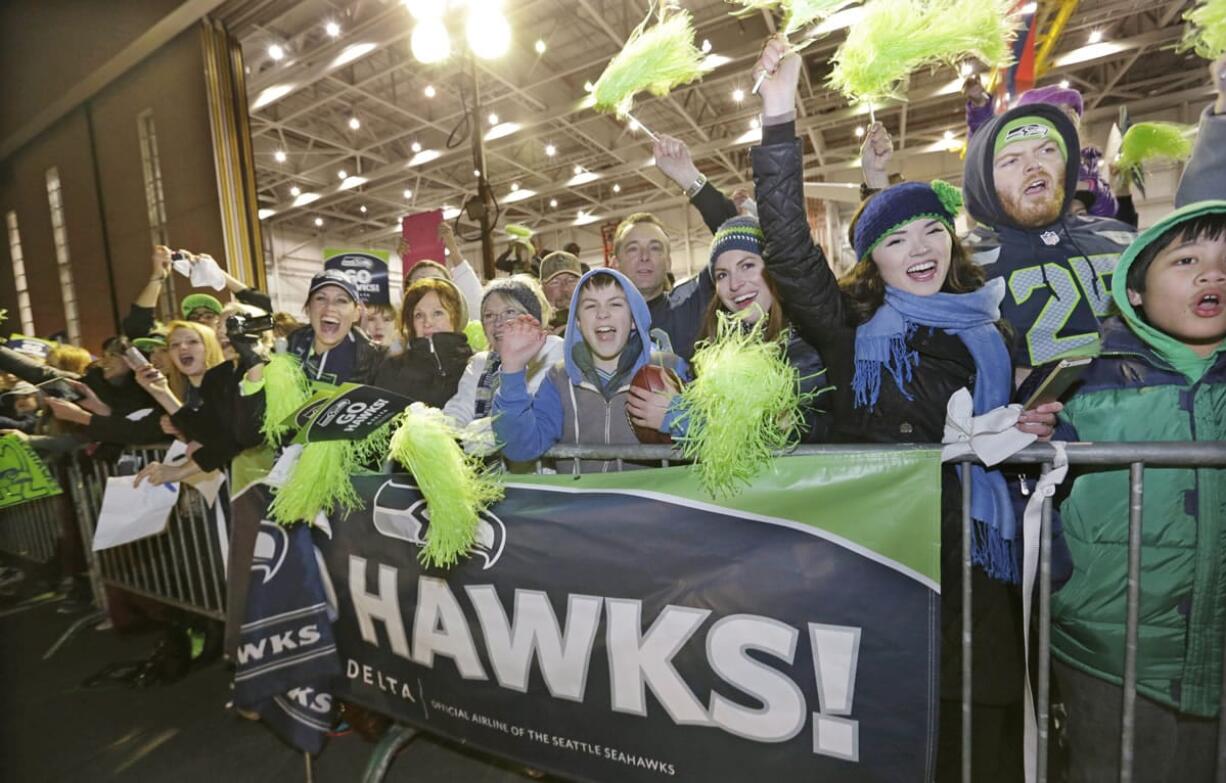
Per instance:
(1148,387)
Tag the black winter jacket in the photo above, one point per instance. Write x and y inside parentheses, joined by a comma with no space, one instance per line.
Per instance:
(817,309)
(214,417)
(428,371)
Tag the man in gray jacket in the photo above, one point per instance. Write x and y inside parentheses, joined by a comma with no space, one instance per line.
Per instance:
(1205,176)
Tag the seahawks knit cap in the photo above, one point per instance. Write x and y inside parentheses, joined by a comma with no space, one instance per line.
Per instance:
(738,233)
(517,290)
(895,207)
(1028,127)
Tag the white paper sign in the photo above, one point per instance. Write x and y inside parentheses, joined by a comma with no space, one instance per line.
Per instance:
(131,513)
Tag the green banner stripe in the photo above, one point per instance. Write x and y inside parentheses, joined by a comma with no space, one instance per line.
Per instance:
(886,503)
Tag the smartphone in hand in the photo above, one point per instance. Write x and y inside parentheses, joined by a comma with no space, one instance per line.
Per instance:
(1058,381)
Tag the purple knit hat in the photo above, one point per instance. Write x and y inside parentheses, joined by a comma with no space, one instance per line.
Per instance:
(1056,96)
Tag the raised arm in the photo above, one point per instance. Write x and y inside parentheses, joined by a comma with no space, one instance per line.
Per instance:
(1204,177)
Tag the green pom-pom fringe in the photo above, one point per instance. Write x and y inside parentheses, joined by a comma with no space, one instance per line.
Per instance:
(1206,29)
(797,14)
(949,195)
(895,38)
(286,388)
(521,232)
(457,487)
(475,334)
(740,371)
(1147,141)
(656,59)
(320,482)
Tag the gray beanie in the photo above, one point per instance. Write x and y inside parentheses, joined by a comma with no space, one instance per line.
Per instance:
(517,290)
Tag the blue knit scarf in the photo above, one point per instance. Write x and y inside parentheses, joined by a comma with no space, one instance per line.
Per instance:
(882,343)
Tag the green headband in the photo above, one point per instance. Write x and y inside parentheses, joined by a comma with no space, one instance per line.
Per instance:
(1027,128)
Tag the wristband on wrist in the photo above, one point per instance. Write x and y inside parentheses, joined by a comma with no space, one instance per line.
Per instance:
(696,186)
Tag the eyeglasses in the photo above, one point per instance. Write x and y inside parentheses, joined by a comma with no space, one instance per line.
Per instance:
(493,319)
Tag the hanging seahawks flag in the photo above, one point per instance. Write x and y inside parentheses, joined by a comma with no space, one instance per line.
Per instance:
(23,475)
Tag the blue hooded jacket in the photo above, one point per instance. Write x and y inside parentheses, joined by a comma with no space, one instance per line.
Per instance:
(529,426)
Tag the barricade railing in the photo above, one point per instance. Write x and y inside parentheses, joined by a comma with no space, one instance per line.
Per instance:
(32,531)
(183,566)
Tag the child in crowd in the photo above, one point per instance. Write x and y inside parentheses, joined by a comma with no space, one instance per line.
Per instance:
(22,401)
(1161,376)
(744,286)
(583,398)
(379,323)
(910,325)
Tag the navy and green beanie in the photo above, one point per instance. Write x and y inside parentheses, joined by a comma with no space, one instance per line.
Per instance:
(895,207)
(738,233)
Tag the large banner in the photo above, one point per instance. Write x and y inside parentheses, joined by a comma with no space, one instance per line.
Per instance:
(624,627)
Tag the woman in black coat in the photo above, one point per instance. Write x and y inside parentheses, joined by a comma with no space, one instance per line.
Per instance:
(436,350)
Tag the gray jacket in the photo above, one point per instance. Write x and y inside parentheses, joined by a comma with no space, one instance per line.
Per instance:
(1204,177)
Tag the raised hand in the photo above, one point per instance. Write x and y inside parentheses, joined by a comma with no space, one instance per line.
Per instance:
(522,338)
(161,262)
(674,161)
(446,235)
(782,67)
(875,155)
(89,401)
(151,379)
(67,411)
(973,89)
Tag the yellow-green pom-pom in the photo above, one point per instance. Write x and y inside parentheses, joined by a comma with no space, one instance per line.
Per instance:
(1146,141)
(1206,29)
(518,231)
(457,487)
(949,195)
(740,371)
(319,482)
(475,335)
(286,388)
(656,59)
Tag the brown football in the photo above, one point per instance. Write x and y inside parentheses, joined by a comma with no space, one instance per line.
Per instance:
(653,377)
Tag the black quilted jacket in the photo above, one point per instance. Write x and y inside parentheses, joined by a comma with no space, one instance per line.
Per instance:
(817,310)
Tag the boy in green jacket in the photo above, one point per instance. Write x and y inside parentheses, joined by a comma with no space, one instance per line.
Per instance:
(1161,377)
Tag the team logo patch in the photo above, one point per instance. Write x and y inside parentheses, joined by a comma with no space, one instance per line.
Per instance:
(400,512)
(271,546)
(1024,132)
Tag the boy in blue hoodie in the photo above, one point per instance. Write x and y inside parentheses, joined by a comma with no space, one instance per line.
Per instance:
(583,398)
(1161,376)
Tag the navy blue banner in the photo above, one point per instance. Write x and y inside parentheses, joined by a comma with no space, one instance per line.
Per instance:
(621,634)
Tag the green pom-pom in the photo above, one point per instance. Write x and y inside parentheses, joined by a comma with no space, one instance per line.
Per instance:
(319,482)
(740,371)
(1147,141)
(286,388)
(656,59)
(949,195)
(475,334)
(518,231)
(895,38)
(457,487)
(1206,29)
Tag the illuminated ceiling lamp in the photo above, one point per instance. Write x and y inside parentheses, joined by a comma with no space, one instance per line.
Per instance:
(487,29)
(430,42)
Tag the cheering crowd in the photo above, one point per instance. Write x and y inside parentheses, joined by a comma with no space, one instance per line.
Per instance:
(1053,269)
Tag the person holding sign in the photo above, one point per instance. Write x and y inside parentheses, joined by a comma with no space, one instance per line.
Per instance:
(436,349)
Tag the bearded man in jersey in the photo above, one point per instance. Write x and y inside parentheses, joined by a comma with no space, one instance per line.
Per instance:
(1021,174)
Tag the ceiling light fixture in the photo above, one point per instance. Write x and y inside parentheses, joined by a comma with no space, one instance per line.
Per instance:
(551,150)
(430,42)
(319,222)
(408,194)
(430,91)
(362,209)
(280,156)
(1096,36)
(487,29)
(617,188)
(415,146)
(738,95)
(354,123)
(342,174)
(553,203)
(493,118)
(332,29)
(539,46)
(276,52)
(295,191)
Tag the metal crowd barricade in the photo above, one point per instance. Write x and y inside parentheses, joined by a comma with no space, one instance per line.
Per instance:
(31,531)
(182,567)
(1135,456)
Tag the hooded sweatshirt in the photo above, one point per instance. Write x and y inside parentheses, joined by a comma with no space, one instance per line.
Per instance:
(1058,276)
(593,411)
(1204,177)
